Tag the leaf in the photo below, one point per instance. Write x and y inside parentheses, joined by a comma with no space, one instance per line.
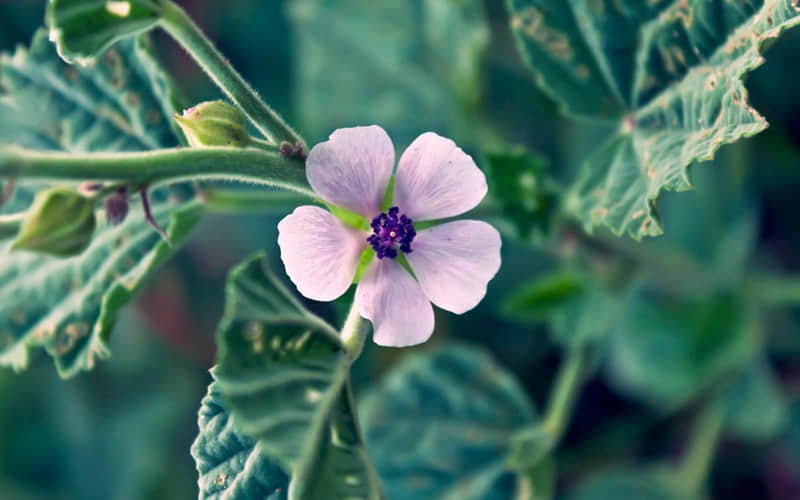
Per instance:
(578,306)
(753,404)
(230,463)
(667,72)
(519,182)
(654,483)
(667,350)
(81,29)
(408,65)
(439,426)
(68,306)
(283,374)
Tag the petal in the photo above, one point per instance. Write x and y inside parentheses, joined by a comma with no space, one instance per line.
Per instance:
(352,169)
(319,252)
(436,179)
(388,296)
(455,261)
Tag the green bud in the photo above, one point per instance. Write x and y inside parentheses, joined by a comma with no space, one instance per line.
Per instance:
(60,222)
(213,123)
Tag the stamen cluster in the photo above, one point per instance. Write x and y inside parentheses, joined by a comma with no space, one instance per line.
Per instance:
(391,230)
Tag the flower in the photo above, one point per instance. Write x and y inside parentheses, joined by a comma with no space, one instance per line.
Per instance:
(451,262)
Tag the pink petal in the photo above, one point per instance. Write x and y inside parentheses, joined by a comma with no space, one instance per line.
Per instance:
(455,261)
(352,169)
(319,252)
(436,179)
(400,313)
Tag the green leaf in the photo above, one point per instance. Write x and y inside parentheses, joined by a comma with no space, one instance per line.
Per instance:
(667,350)
(669,73)
(655,483)
(409,65)
(83,28)
(68,306)
(439,426)
(230,463)
(519,182)
(579,308)
(283,374)
(753,404)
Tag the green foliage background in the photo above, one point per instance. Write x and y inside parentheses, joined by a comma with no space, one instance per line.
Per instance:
(710,306)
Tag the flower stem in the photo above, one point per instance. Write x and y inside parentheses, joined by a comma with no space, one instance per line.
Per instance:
(565,391)
(159,166)
(181,27)
(693,470)
(775,290)
(221,200)
(354,332)
(10,224)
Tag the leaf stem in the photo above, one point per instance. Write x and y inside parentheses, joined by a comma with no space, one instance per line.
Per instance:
(695,466)
(160,166)
(775,290)
(224,201)
(354,332)
(565,391)
(181,27)
(10,224)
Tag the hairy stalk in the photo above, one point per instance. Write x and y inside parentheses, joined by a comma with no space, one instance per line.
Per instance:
(565,391)
(159,166)
(181,27)
(692,472)
(221,200)
(354,332)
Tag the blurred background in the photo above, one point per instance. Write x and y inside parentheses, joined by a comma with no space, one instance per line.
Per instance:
(124,430)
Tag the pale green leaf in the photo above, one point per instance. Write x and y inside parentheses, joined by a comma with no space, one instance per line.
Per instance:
(439,426)
(123,102)
(668,72)
(408,65)
(283,374)
(83,28)
(230,463)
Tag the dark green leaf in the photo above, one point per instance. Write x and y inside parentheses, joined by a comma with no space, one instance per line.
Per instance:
(230,463)
(668,73)
(283,374)
(83,28)
(439,426)
(409,65)
(667,350)
(68,306)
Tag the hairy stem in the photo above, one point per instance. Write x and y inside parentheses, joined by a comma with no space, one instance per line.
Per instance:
(221,200)
(181,27)
(693,470)
(565,391)
(159,166)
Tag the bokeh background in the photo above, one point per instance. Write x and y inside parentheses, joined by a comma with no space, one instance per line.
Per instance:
(124,430)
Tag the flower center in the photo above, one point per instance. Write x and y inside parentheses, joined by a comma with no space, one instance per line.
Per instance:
(391,230)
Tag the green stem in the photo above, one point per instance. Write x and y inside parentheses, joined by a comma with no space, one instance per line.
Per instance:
(565,392)
(221,200)
(181,27)
(159,166)
(693,470)
(10,224)
(776,291)
(354,332)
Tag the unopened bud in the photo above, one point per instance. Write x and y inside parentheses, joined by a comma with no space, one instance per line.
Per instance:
(213,123)
(116,207)
(59,222)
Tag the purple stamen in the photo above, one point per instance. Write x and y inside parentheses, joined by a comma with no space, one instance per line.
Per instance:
(391,230)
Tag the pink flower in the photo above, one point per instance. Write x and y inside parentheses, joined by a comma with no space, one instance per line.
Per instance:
(452,262)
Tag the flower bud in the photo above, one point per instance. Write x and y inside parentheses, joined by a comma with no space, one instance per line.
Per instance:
(60,222)
(213,123)
(116,206)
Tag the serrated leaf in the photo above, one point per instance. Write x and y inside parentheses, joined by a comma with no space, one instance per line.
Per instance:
(68,306)
(668,350)
(409,65)
(439,426)
(753,404)
(283,374)
(230,463)
(81,29)
(668,72)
